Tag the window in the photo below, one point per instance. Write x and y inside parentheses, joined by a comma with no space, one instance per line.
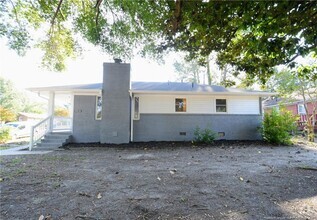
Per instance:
(221,105)
(98,108)
(180,105)
(136,108)
(301,109)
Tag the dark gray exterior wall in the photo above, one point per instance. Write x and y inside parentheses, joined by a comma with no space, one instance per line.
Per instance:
(167,127)
(115,123)
(85,127)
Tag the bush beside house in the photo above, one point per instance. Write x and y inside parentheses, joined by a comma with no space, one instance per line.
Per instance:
(278,126)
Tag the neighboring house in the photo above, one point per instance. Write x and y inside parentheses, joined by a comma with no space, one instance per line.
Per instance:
(118,111)
(294,106)
(25,116)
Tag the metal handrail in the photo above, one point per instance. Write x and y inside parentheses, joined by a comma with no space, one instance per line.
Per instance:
(39,130)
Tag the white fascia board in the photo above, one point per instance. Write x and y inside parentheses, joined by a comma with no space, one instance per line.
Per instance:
(75,91)
(258,94)
(87,92)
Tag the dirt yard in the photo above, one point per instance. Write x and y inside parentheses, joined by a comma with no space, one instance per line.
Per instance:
(232,180)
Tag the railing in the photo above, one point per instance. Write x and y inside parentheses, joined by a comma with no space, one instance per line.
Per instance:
(39,130)
(62,123)
(47,125)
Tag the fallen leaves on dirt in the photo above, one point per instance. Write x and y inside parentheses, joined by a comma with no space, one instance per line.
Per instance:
(173,171)
(84,194)
(307,168)
(48,217)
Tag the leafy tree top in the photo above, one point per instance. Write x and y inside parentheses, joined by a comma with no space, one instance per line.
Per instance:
(251,36)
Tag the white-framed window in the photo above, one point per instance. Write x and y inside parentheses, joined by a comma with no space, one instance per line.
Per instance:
(180,105)
(301,109)
(221,105)
(98,111)
(136,115)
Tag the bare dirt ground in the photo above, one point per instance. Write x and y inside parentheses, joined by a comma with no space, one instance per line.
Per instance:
(229,180)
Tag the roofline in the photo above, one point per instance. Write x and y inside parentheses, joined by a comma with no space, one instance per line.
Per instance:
(262,94)
(62,89)
(288,103)
(41,89)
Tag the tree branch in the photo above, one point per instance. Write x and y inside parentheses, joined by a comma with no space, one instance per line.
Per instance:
(298,54)
(56,12)
(177,15)
(97,6)
(15,12)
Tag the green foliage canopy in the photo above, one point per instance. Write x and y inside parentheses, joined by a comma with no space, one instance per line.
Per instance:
(251,36)
(12,102)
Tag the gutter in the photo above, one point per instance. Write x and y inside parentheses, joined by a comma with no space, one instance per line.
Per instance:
(262,94)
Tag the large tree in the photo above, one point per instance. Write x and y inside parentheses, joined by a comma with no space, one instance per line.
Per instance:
(250,36)
(189,72)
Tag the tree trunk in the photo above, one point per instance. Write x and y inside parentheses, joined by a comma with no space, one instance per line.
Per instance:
(209,74)
(309,123)
(310,129)
(198,77)
(224,74)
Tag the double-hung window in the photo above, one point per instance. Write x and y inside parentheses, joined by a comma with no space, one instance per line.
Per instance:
(221,105)
(301,109)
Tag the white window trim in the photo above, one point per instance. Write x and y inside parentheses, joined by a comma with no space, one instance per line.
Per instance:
(96,112)
(175,105)
(215,104)
(138,115)
(298,108)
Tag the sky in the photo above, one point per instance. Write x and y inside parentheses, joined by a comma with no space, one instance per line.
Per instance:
(26,72)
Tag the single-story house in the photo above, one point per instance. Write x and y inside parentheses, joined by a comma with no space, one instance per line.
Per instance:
(120,111)
(295,106)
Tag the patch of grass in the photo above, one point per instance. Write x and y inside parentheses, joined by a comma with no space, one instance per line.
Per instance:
(56,158)
(16,161)
(4,147)
(299,140)
(56,185)
(20,171)
(54,175)
(11,175)
(183,199)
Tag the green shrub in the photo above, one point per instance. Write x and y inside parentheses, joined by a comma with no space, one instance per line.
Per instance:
(277,127)
(206,135)
(4,134)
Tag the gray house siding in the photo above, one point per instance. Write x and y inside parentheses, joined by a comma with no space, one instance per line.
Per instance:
(85,127)
(167,127)
(115,125)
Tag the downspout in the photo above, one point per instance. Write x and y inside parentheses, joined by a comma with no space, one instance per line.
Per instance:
(72,111)
(261,106)
(131,117)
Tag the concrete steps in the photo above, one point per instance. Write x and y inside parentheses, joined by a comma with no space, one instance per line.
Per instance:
(53,141)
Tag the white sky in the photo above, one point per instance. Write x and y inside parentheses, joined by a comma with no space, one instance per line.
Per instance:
(26,72)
